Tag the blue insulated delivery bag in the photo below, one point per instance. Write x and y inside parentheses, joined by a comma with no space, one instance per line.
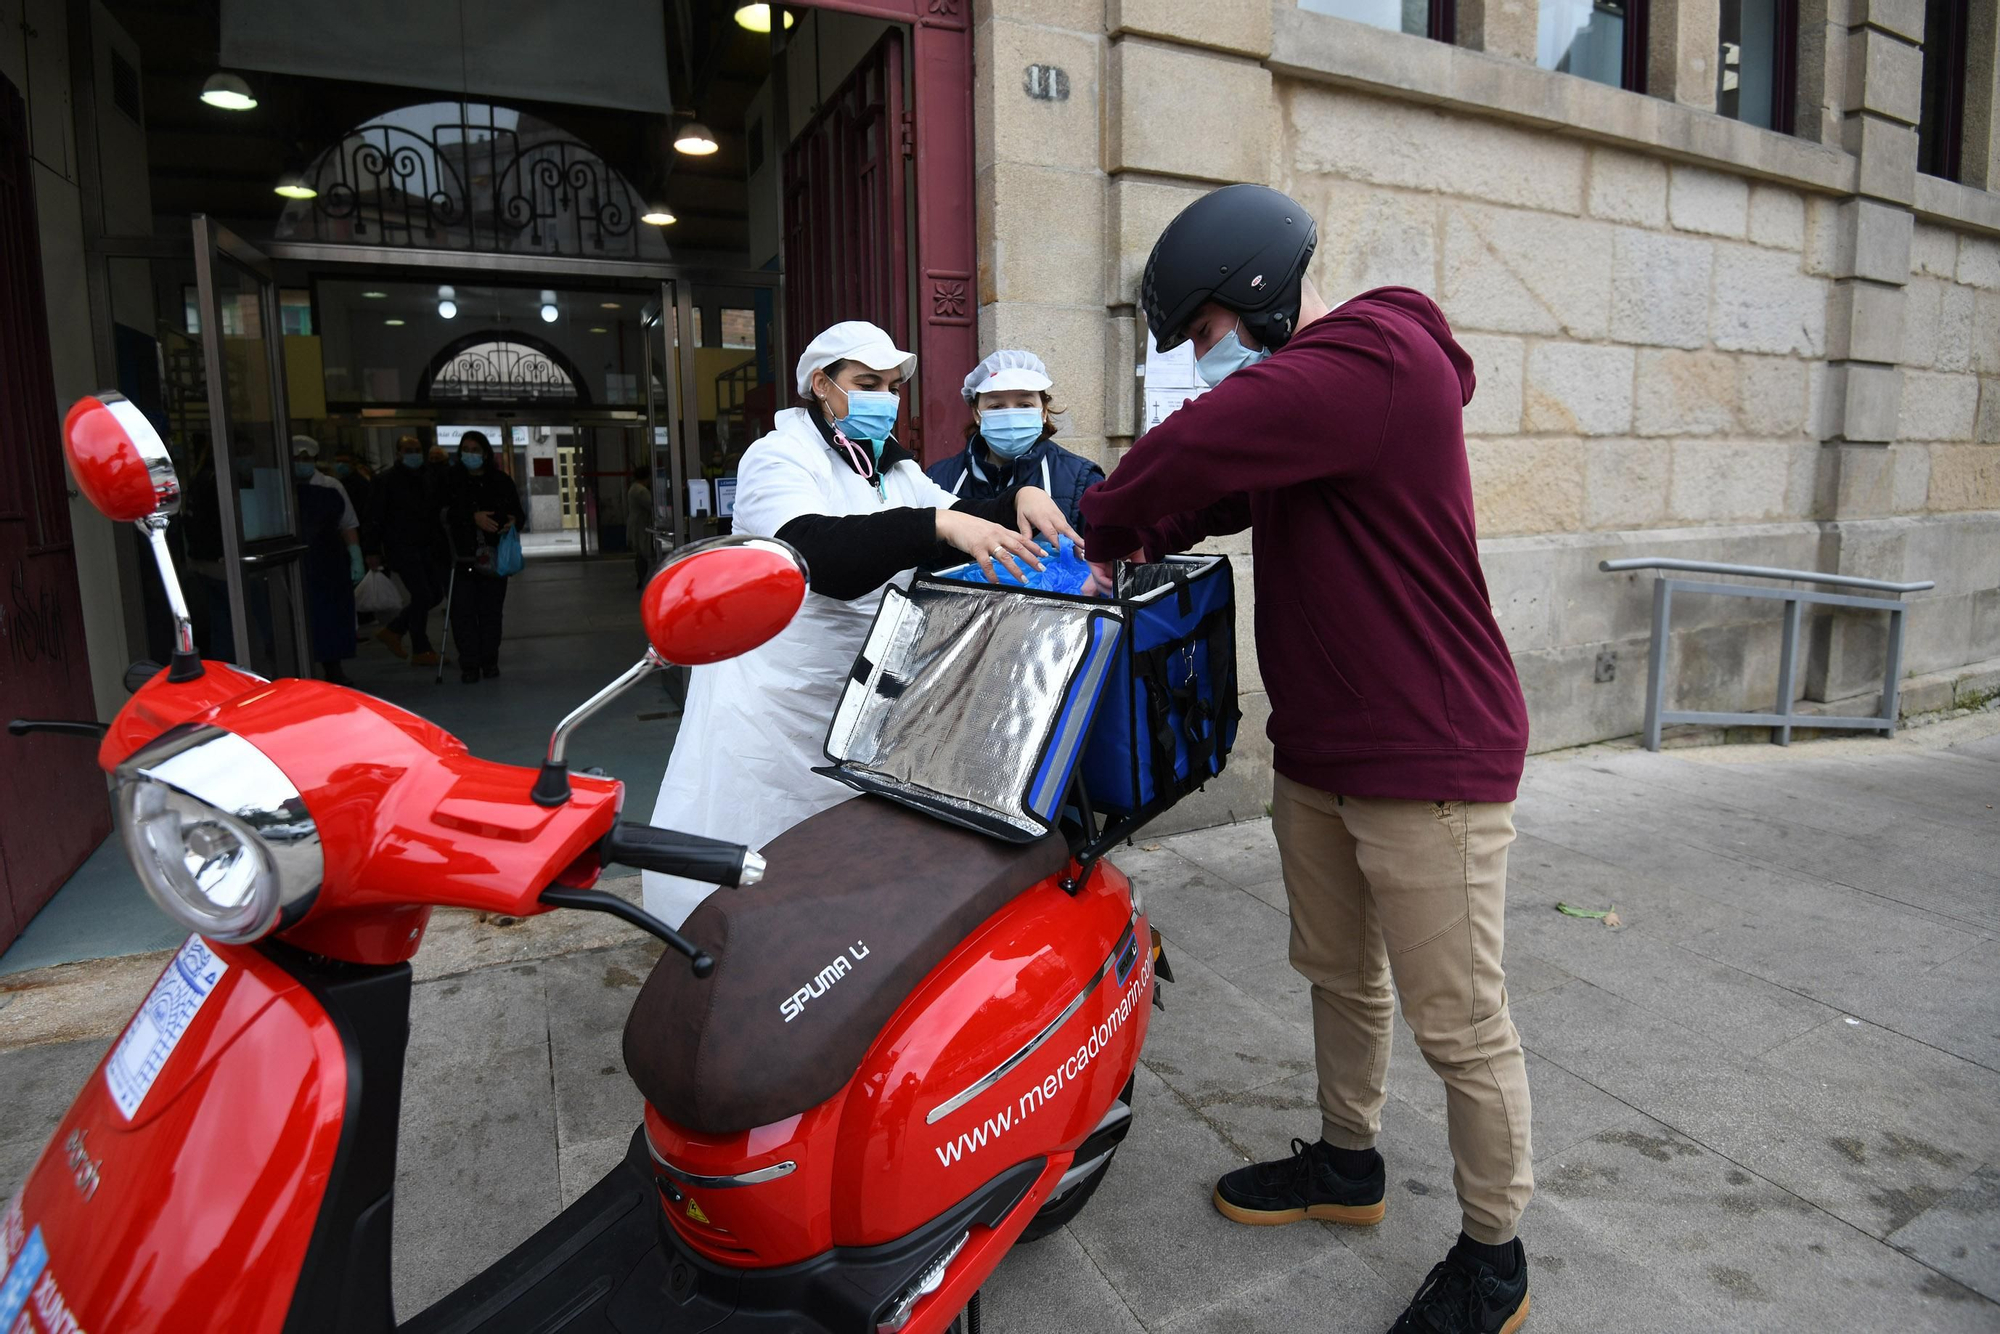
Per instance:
(1167,718)
(973,704)
(1167,721)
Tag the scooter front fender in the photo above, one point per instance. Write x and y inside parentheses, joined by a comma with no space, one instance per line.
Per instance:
(182,1189)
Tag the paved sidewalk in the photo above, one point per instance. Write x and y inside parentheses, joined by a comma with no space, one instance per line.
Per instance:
(1769,1100)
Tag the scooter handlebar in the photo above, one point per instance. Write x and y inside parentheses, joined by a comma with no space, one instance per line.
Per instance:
(709,860)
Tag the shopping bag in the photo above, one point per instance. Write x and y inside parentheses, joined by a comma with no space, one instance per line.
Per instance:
(377,594)
(507,559)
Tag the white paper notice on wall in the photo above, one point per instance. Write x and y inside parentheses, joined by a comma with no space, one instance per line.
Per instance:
(1170,381)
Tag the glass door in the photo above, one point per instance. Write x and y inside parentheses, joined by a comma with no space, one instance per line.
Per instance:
(259,575)
(683,499)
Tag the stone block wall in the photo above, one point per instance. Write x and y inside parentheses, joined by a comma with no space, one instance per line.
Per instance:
(1693,337)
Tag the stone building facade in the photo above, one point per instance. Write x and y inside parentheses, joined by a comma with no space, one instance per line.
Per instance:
(1694,337)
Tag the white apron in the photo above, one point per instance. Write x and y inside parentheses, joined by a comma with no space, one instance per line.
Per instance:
(754,726)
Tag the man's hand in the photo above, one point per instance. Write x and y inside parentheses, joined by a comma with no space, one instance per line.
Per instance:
(1104,575)
(1036,511)
(483,520)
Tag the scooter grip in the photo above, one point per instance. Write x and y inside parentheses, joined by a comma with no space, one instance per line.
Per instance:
(708,860)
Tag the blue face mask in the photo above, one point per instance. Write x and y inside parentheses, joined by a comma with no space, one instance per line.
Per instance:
(1011,432)
(302,469)
(472,462)
(871,415)
(1226,357)
(342,470)
(410,460)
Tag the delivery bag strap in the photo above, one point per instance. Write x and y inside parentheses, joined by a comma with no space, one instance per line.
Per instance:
(1152,668)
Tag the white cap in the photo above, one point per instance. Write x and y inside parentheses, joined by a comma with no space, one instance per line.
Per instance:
(854,340)
(306,445)
(1009,368)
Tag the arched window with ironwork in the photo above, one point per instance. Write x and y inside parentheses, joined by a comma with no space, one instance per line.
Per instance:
(470,176)
(493,367)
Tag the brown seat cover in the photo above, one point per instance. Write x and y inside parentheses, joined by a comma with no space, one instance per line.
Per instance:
(860,903)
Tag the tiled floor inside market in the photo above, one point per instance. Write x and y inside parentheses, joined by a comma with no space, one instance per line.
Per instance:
(1769,1100)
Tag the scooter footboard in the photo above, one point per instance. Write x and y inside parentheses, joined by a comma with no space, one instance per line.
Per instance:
(610,1265)
(186,1185)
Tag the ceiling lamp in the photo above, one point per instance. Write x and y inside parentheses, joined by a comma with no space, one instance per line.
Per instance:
(393,323)
(659,214)
(757,18)
(228,92)
(696,139)
(447,303)
(549,311)
(374,296)
(293,185)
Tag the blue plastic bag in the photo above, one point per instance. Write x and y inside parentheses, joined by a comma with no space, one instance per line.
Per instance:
(1064,570)
(507,558)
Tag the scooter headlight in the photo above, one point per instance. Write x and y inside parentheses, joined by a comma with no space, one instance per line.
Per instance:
(220,837)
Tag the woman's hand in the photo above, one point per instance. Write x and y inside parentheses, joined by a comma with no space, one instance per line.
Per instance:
(987,542)
(1036,511)
(483,520)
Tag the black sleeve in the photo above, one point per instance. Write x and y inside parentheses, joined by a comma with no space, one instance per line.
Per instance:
(850,556)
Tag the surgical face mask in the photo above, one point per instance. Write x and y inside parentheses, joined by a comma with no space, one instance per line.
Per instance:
(1226,357)
(302,469)
(1011,432)
(871,415)
(472,462)
(411,460)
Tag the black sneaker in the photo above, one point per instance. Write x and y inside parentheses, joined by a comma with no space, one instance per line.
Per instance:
(1289,1190)
(489,671)
(1465,1295)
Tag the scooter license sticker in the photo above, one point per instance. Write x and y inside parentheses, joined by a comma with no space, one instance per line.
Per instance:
(21,1278)
(157,1029)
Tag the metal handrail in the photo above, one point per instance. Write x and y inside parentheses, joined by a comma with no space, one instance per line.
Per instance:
(1761,572)
(1781,719)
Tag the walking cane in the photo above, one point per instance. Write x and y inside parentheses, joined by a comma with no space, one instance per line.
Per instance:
(450,586)
(451,583)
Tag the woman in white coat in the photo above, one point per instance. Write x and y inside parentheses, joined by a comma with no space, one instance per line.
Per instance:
(831,480)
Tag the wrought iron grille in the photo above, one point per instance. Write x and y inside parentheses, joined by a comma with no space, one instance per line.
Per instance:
(470,176)
(500,371)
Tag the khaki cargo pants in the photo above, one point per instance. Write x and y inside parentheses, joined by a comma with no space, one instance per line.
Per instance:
(1415,891)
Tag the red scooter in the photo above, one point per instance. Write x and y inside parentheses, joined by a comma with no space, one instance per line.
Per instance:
(906,1049)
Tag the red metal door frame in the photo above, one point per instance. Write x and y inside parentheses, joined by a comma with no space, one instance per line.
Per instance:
(939,122)
(52,796)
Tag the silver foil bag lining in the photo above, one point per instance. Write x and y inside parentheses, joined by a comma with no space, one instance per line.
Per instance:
(956,696)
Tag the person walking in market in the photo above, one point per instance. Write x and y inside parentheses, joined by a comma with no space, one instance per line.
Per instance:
(410,501)
(1399,729)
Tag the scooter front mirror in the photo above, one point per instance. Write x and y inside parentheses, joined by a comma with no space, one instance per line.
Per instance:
(122,467)
(721,598)
(119,461)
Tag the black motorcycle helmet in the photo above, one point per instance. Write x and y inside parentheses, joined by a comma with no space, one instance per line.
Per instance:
(1245,247)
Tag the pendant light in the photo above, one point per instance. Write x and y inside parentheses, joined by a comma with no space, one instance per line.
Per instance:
(757,18)
(696,140)
(549,311)
(228,92)
(294,185)
(659,213)
(447,303)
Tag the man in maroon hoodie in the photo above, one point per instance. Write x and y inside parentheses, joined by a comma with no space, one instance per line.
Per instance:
(1336,437)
